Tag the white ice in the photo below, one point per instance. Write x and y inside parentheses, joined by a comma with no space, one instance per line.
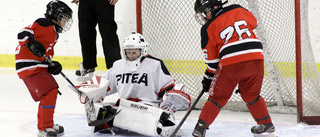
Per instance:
(18,114)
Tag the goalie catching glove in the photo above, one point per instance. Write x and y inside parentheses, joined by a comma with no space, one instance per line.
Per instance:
(176,99)
(94,90)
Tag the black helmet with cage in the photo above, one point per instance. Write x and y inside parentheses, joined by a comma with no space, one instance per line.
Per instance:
(206,6)
(202,7)
(61,15)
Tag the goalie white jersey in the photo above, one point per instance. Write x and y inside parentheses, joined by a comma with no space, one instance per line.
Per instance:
(146,84)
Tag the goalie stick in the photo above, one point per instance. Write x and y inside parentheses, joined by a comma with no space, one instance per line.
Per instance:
(187,114)
(101,121)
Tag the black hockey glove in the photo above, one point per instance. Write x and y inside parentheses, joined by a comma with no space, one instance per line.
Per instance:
(35,47)
(206,82)
(54,68)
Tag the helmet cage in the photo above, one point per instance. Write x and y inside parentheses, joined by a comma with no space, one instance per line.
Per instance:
(132,54)
(203,7)
(142,53)
(200,18)
(61,14)
(64,21)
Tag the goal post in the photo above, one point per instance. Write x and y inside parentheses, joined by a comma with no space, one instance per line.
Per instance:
(291,81)
(298,60)
(299,26)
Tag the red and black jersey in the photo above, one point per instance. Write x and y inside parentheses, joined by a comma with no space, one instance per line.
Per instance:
(228,38)
(43,31)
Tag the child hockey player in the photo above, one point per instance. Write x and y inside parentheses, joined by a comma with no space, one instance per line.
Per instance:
(233,55)
(35,41)
(148,93)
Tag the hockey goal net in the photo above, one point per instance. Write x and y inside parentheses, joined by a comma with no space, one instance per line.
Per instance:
(174,36)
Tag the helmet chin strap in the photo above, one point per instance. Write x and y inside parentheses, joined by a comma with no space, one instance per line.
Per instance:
(55,22)
(57,26)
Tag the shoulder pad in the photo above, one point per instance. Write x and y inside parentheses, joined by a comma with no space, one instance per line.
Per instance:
(163,67)
(151,57)
(44,22)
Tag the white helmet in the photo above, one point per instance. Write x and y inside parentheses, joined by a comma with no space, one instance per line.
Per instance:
(134,48)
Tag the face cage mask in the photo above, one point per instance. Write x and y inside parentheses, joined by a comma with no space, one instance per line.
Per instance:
(201,18)
(135,54)
(64,21)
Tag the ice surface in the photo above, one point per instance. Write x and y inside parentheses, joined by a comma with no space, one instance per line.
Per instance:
(18,114)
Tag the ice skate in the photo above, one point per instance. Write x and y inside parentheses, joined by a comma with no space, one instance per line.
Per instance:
(84,74)
(264,130)
(57,130)
(200,129)
(49,132)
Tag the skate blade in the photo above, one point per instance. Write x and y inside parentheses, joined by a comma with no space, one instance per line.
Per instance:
(273,134)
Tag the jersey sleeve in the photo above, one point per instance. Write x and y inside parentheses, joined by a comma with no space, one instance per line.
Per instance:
(164,81)
(25,33)
(211,54)
(252,20)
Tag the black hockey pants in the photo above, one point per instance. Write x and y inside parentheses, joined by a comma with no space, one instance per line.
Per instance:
(91,13)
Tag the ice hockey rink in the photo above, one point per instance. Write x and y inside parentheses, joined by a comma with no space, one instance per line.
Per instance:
(18,114)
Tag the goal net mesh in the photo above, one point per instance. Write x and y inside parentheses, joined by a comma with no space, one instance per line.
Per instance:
(174,36)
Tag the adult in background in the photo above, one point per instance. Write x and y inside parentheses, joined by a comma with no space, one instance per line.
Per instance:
(91,13)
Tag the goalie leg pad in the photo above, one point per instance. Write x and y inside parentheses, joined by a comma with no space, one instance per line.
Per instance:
(141,118)
(90,109)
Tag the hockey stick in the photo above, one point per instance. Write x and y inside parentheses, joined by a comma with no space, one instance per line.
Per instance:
(187,114)
(101,121)
(65,77)
(90,110)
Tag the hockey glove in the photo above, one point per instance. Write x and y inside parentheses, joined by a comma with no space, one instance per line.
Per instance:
(36,48)
(54,68)
(95,90)
(206,82)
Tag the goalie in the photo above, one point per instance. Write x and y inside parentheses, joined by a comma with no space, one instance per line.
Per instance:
(148,93)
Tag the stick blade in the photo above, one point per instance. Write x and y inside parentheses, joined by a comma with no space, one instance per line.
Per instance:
(101,121)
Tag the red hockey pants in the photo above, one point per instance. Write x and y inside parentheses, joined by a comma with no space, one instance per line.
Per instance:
(249,76)
(43,87)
